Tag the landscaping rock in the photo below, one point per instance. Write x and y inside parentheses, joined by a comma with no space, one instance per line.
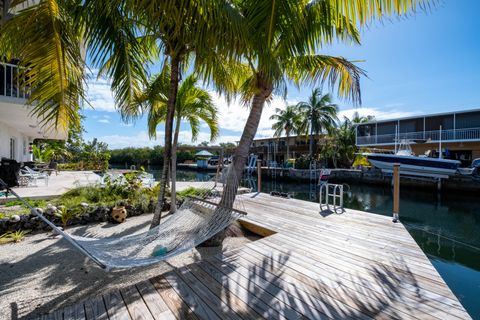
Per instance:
(15,218)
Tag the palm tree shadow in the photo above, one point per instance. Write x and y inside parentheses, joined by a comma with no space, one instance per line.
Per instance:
(248,284)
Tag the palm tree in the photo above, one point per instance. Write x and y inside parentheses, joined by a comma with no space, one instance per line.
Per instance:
(124,36)
(287,120)
(283,39)
(193,105)
(319,115)
(343,138)
(357,118)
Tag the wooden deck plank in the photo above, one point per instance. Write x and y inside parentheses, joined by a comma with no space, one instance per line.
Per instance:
(238,305)
(344,231)
(171,298)
(115,306)
(196,304)
(417,290)
(137,308)
(367,295)
(331,306)
(261,307)
(273,287)
(95,309)
(158,308)
(256,292)
(371,248)
(74,312)
(351,258)
(219,306)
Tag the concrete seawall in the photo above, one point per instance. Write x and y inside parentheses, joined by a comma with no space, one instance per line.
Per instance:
(376,177)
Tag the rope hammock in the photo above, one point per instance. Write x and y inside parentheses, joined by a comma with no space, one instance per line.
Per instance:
(197,220)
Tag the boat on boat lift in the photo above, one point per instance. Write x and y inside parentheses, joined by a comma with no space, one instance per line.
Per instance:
(413,165)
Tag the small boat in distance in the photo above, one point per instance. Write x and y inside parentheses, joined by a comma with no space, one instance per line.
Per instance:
(413,165)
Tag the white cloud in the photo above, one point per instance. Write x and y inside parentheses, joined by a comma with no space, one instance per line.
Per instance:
(378,113)
(99,94)
(141,139)
(104,121)
(185,136)
(234,116)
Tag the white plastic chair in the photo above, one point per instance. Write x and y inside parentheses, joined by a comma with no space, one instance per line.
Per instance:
(33,175)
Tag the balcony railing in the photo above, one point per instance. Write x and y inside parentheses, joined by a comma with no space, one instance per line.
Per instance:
(432,136)
(11,83)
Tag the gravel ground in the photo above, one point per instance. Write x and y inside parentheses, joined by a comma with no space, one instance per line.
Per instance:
(43,273)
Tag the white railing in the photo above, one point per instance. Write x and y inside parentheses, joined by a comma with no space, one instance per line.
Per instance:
(11,82)
(431,136)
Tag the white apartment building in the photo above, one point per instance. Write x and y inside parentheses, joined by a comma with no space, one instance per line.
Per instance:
(18,127)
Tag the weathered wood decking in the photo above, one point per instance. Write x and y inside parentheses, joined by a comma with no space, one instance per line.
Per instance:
(352,265)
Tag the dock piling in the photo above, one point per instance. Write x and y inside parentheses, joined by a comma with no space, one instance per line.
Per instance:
(396,191)
(259,176)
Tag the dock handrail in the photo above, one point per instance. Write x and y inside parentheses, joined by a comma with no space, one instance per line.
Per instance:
(337,194)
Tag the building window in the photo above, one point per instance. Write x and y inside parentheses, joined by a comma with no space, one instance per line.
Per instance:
(12,148)
(25,147)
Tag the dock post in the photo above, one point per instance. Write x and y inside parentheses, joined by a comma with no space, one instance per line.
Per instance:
(396,191)
(259,176)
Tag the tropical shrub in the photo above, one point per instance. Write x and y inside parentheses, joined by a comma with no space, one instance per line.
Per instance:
(12,236)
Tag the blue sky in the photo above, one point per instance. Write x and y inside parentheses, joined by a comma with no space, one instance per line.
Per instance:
(426,63)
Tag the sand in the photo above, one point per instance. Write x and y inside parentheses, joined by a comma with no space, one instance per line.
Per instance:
(43,273)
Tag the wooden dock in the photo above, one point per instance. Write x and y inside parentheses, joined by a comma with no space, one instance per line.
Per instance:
(352,265)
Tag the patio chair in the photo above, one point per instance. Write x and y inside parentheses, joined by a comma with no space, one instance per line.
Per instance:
(147,179)
(33,175)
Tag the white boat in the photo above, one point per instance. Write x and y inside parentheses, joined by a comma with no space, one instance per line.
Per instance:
(413,165)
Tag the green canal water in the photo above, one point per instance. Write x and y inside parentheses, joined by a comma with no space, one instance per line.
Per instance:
(445,225)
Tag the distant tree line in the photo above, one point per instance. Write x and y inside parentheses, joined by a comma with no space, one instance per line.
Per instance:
(154,156)
(145,156)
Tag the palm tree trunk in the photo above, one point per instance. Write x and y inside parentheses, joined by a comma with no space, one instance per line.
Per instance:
(173,189)
(241,152)
(167,155)
(288,147)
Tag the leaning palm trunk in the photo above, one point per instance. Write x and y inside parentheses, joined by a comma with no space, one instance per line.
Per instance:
(241,152)
(167,156)
(240,158)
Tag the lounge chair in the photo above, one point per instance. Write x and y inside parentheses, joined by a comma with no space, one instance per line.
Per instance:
(147,179)
(33,175)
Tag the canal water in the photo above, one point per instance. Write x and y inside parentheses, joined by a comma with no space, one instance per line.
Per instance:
(445,225)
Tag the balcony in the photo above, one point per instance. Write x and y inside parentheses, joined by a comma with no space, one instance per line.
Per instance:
(11,88)
(453,135)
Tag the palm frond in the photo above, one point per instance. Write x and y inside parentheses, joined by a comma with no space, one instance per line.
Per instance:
(46,38)
(330,70)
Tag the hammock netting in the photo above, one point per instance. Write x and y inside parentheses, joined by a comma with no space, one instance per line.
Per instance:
(195,221)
